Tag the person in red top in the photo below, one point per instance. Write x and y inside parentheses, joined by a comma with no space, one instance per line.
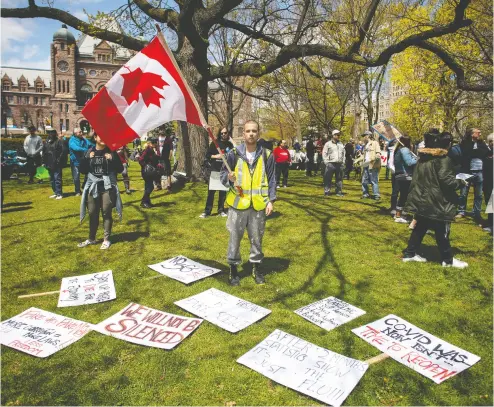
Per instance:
(283,161)
(123,154)
(319,145)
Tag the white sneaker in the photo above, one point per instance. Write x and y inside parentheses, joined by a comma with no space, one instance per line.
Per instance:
(487,229)
(457,264)
(53,196)
(223,214)
(393,212)
(277,187)
(203,215)
(416,258)
(400,220)
(59,197)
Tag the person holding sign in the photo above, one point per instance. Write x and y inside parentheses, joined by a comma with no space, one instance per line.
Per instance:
(252,193)
(101,191)
(214,159)
(433,198)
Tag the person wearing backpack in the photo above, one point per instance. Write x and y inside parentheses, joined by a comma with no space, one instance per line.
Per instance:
(53,152)
(149,162)
(101,192)
(252,193)
(404,163)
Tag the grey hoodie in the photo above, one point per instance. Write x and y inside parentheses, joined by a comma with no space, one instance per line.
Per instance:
(270,168)
(33,145)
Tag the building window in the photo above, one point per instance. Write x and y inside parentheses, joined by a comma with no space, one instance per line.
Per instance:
(39,87)
(61,124)
(68,50)
(63,86)
(92,72)
(82,72)
(67,124)
(23,86)
(61,107)
(36,100)
(66,108)
(62,46)
(6,85)
(99,57)
(42,100)
(10,99)
(59,86)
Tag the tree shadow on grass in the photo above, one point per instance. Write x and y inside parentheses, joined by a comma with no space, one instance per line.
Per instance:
(36,284)
(129,236)
(17,209)
(17,204)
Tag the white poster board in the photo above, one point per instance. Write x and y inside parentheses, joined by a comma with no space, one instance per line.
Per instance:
(87,289)
(41,333)
(148,327)
(417,349)
(329,313)
(215,183)
(224,310)
(387,130)
(463,176)
(307,368)
(183,269)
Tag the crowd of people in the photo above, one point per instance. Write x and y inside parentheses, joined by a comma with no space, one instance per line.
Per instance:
(424,178)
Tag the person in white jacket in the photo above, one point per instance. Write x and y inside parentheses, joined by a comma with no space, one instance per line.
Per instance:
(33,146)
(333,155)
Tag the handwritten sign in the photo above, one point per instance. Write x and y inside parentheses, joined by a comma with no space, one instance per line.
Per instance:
(430,356)
(329,313)
(184,270)
(215,183)
(387,130)
(148,326)
(41,333)
(222,309)
(87,289)
(307,368)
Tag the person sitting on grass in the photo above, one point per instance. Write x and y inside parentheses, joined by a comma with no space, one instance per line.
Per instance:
(101,190)
(433,199)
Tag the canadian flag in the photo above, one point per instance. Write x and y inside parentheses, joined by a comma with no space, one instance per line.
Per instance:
(146,92)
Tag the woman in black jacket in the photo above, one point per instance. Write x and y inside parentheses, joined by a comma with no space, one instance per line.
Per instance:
(214,158)
(149,162)
(487,182)
(53,152)
(433,199)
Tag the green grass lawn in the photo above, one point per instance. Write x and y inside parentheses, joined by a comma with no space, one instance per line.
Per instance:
(315,247)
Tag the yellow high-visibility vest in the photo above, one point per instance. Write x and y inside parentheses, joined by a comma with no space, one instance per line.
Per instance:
(254,185)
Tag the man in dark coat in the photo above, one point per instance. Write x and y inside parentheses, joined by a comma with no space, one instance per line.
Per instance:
(310,150)
(488,178)
(433,198)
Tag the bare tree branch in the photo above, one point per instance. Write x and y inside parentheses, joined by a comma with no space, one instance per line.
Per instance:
(227,82)
(364,28)
(299,31)
(222,7)
(163,15)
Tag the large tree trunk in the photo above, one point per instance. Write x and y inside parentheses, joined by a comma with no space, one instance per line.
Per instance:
(193,139)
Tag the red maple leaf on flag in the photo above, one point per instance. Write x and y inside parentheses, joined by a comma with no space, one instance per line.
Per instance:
(142,83)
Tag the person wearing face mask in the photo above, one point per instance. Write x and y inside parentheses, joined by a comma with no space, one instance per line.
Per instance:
(252,192)
(473,152)
(214,158)
(101,190)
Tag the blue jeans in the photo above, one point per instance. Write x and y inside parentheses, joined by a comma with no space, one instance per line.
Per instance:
(76,177)
(476,181)
(56,180)
(370,176)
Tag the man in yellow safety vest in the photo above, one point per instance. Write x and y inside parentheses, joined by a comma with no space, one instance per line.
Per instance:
(250,197)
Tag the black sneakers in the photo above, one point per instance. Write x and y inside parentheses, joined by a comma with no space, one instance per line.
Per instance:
(258,277)
(234,278)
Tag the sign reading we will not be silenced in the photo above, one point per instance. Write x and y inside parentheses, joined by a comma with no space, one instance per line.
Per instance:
(183,269)
(329,313)
(419,350)
(148,326)
(87,289)
(222,309)
(41,333)
(307,368)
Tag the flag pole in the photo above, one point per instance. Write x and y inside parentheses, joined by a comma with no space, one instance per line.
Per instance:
(205,124)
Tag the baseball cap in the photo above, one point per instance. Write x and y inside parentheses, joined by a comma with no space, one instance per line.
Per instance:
(335,132)
(367,133)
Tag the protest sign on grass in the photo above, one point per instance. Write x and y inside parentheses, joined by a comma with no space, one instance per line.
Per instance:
(329,313)
(41,333)
(183,269)
(222,309)
(87,289)
(307,368)
(148,326)
(419,350)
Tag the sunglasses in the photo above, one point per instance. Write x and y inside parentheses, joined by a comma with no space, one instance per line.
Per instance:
(224,132)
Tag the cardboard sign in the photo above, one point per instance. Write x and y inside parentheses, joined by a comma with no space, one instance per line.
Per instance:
(307,368)
(148,326)
(184,270)
(329,313)
(215,183)
(222,309)
(41,333)
(419,350)
(463,176)
(87,289)
(386,130)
